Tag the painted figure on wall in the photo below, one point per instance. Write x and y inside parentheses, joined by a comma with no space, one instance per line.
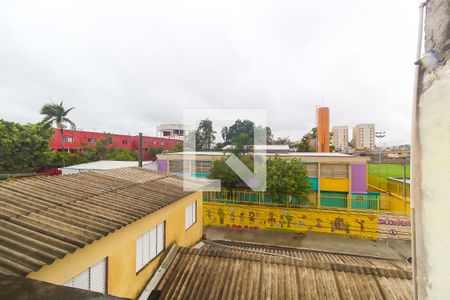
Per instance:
(221,215)
(338,224)
(251,217)
(289,220)
(361,224)
(271,219)
(241,217)
(299,220)
(318,222)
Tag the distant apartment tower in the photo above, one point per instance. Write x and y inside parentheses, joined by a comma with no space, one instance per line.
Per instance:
(364,136)
(173,131)
(323,129)
(340,138)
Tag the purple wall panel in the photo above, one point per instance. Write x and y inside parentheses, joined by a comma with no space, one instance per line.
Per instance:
(162,165)
(359,178)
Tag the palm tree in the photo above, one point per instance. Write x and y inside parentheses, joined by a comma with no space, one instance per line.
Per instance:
(56,114)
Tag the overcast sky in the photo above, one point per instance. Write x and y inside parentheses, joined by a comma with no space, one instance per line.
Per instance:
(129,65)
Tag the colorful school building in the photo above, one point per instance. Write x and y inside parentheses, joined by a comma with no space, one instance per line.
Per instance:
(336,179)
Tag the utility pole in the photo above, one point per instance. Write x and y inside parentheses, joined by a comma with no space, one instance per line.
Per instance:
(140,150)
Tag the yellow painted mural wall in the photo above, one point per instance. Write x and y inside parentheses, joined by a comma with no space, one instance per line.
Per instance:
(120,248)
(352,224)
(334,184)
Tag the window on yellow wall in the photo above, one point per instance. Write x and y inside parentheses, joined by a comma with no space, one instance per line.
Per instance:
(190,215)
(149,245)
(91,279)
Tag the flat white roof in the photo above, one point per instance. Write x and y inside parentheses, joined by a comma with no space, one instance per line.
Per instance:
(315,154)
(262,147)
(210,153)
(310,154)
(107,164)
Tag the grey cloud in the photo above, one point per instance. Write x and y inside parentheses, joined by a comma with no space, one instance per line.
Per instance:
(127,66)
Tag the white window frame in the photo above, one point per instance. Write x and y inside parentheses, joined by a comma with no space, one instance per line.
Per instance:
(190,215)
(90,278)
(149,245)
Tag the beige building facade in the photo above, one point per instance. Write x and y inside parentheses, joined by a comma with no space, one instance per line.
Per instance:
(340,138)
(364,136)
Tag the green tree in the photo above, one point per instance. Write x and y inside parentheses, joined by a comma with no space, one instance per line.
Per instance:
(178,147)
(24,148)
(241,144)
(308,142)
(332,146)
(205,136)
(121,154)
(235,133)
(56,114)
(286,178)
(102,148)
(229,179)
(154,151)
(282,141)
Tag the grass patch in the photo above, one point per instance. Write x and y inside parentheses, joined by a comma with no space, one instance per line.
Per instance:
(388,170)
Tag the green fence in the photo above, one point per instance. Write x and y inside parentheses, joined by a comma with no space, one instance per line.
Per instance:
(328,200)
(249,197)
(333,199)
(371,201)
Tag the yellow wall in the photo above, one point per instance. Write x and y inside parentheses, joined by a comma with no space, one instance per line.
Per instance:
(120,248)
(334,184)
(363,225)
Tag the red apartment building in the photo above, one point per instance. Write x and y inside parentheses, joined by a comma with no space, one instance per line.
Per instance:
(75,140)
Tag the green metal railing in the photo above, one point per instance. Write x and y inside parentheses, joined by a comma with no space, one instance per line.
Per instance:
(328,200)
(371,201)
(333,199)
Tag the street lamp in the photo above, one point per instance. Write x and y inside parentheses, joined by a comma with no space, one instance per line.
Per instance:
(379,135)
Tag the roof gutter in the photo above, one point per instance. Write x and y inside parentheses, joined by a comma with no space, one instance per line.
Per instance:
(151,285)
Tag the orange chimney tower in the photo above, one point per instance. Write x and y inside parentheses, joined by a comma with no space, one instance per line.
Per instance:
(323,129)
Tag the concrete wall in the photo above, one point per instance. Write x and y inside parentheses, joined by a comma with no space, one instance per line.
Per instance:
(431,165)
(120,248)
(393,226)
(350,224)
